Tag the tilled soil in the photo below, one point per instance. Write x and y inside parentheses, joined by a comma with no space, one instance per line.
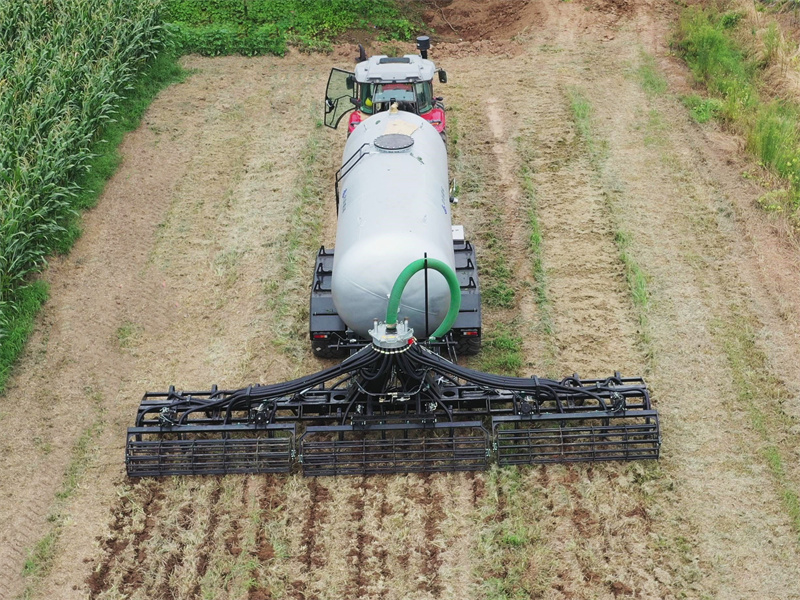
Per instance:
(194,268)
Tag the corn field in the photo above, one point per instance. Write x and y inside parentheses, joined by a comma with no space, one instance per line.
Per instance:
(64,65)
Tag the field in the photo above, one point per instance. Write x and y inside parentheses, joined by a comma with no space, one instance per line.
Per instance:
(630,235)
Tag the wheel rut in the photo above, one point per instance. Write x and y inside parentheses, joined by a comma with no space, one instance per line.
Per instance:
(431,550)
(125,545)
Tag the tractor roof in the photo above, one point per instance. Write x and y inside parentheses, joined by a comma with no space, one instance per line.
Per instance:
(384,69)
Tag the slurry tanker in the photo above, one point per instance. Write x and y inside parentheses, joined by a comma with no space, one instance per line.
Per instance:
(397,300)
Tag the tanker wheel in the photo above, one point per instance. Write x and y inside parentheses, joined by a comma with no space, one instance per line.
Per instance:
(324,350)
(469,345)
(444,137)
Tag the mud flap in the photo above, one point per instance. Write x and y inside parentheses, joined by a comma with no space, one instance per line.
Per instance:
(210,450)
(576,437)
(394,448)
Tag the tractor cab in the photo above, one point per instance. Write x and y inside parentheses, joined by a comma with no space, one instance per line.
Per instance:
(380,81)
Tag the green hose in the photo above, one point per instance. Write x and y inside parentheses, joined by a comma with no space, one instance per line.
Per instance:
(403,279)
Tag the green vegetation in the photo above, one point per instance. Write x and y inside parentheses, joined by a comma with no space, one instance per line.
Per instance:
(524,145)
(39,560)
(730,63)
(650,78)
(719,61)
(635,276)
(250,27)
(495,271)
(498,291)
(16,323)
(637,284)
(762,395)
(582,116)
(535,241)
(637,280)
(502,351)
(63,68)
(301,239)
(516,561)
(703,109)
(128,334)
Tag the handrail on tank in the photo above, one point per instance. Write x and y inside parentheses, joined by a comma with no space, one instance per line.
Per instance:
(339,177)
(405,277)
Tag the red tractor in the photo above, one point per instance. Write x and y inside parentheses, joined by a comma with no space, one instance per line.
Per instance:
(379,82)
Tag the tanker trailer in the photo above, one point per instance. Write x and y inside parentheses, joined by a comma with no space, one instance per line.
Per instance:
(393,207)
(392,295)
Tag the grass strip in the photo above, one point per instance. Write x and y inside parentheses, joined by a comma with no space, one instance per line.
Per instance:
(502,351)
(535,238)
(731,62)
(302,239)
(497,289)
(649,76)
(251,27)
(104,161)
(581,110)
(636,278)
(637,281)
(515,560)
(762,394)
(546,325)
(40,557)
(19,325)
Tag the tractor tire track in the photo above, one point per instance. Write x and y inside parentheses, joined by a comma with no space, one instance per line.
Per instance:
(207,544)
(362,540)
(431,549)
(313,560)
(186,523)
(103,576)
(269,497)
(373,538)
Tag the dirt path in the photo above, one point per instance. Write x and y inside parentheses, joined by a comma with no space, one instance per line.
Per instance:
(193,270)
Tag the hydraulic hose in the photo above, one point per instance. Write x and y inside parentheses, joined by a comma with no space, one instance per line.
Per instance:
(402,281)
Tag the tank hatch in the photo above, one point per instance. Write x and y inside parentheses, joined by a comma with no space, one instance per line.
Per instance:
(393,141)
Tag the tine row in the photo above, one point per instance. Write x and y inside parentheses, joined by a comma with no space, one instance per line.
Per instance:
(397,447)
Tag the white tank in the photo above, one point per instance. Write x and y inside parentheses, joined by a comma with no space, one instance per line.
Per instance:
(394,207)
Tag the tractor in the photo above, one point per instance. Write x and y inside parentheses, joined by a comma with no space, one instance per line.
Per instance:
(380,81)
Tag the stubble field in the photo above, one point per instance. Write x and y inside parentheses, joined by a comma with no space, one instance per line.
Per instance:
(194,269)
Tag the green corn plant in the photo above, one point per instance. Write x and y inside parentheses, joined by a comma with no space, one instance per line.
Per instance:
(64,65)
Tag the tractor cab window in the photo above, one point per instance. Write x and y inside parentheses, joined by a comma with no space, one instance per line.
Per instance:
(365,96)
(378,97)
(424,92)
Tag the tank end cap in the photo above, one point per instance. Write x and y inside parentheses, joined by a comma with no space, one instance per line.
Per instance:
(387,339)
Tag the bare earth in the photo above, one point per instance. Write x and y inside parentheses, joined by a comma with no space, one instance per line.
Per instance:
(194,269)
